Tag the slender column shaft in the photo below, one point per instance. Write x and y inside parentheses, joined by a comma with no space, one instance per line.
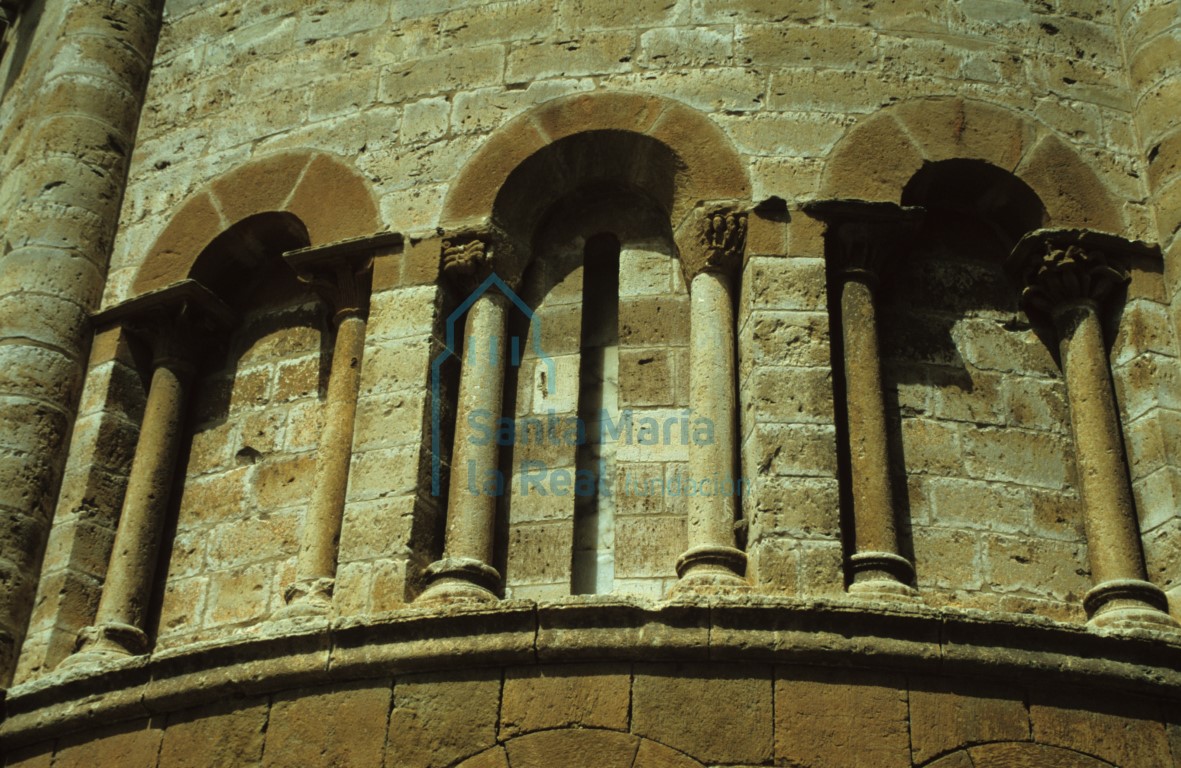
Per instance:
(863,240)
(481,389)
(712,561)
(1064,275)
(1099,451)
(465,572)
(316,564)
(873,504)
(711,387)
(120,620)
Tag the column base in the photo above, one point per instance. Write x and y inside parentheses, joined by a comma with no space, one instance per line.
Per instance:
(460,580)
(107,641)
(307,598)
(710,569)
(1128,604)
(881,575)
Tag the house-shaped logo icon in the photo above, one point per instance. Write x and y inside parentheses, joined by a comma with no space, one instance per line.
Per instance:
(480,352)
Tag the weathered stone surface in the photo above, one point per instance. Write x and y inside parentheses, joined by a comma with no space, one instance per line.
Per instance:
(840,719)
(1129,732)
(221,736)
(135,744)
(339,725)
(439,718)
(946,714)
(591,696)
(684,708)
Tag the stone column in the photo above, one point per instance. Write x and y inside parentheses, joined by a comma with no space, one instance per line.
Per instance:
(341,275)
(79,125)
(861,241)
(712,561)
(172,321)
(1067,277)
(465,573)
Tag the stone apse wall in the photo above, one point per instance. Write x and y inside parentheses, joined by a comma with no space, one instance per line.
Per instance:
(913,262)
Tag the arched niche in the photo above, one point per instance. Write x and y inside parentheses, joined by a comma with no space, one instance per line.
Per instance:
(541,180)
(984,467)
(248,455)
(299,184)
(696,161)
(877,158)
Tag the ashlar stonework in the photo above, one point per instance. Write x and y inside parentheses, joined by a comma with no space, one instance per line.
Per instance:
(651,384)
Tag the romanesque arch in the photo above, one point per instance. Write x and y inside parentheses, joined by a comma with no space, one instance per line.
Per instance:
(296,183)
(663,183)
(876,159)
(708,167)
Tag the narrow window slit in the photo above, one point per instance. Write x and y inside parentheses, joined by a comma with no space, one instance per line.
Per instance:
(593,565)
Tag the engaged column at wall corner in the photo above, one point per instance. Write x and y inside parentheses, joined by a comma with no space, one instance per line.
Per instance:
(1068,279)
(465,572)
(712,561)
(341,274)
(861,241)
(173,322)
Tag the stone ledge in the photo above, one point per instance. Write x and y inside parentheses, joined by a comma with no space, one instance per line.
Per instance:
(846,633)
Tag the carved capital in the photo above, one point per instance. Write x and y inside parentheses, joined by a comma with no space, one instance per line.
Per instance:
(1055,269)
(863,239)
(469,256)
(714,241)
(174,321)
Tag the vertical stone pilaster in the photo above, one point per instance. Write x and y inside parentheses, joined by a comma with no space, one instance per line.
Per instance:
(67,205)
(1068,277)
(861,241)
(342,277)
(465,572)
(712,561)
(172,321)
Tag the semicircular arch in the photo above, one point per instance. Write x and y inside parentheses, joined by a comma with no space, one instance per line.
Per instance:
(881,153)
(708,166)
(297,183)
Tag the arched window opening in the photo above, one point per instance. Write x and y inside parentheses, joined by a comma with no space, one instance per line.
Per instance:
(587,509)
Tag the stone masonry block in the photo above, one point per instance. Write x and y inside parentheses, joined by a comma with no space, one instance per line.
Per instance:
(134,745)
(1126,730)
(439,718)
(224,735)
(589,696)
(840,718)
(946,714)
(719,714)
(344,724)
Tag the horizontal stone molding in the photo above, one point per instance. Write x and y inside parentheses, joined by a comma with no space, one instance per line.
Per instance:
(844,633)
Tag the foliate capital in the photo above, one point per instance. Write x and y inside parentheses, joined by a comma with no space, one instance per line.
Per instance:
(864,238)
(1054,269)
